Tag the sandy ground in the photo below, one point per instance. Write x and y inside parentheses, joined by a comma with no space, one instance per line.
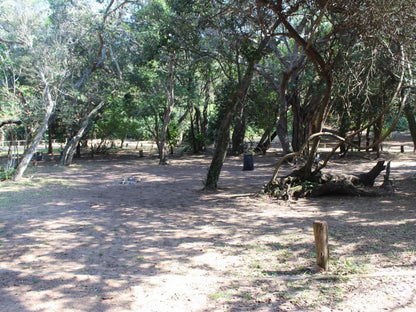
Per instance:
(77,239)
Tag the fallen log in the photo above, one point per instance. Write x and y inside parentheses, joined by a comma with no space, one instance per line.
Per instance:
(367,179)
(321,184)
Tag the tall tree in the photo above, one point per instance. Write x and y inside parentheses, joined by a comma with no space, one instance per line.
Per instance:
(96,58)
(24,25)
(335,21)
(247,52)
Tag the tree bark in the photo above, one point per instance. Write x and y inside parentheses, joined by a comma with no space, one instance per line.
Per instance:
(281,127)
(239,131)
(50,141)
(378,127)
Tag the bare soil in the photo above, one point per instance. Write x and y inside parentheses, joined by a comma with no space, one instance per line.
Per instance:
(78,239)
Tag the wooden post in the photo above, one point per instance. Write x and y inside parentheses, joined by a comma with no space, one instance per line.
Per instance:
(320,230)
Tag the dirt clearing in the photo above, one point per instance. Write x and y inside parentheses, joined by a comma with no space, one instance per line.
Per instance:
(78,239)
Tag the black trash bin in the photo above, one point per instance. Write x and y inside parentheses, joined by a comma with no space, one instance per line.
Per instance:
(248,162)
(39,156)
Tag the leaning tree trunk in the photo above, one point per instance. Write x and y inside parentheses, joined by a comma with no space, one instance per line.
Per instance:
(265,141)
(224,130)
(21,168)
(70,148)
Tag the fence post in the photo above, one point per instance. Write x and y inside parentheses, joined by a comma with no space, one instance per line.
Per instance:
(320,230)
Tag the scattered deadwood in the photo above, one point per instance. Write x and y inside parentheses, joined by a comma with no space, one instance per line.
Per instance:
(321,184)
(367,179)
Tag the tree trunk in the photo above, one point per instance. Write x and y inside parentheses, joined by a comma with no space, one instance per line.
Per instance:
(50,142)
(193,136)
(204,122)
(265,141)
(239,131)
(378,127)
(281,127)
(368,179)
(168,112)
(410,116)
(343,129)
(21,168)
(238,96)
(70,147)
(298,127)
(281,130)
(324,72)
(200,138)
(224,131)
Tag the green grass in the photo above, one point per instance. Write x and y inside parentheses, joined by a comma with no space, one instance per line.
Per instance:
(223,295)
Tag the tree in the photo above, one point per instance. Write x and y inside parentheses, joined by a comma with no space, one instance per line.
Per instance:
(324,63)
(85,106)
(292,62)
(246,52)
(30,36)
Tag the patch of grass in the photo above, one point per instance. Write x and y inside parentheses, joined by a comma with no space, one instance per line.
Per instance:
(223,295)
(255,264)
(245,295)
(6,174)
(347,266)
(329,293)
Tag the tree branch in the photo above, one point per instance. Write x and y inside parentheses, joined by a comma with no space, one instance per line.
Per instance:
(10,121)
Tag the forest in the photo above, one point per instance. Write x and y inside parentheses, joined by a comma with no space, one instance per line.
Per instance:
(201,73)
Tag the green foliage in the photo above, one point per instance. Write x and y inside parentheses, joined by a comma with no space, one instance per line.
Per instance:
(262,105)
(173,134)
(6,174)
(212,42)
(402,124)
